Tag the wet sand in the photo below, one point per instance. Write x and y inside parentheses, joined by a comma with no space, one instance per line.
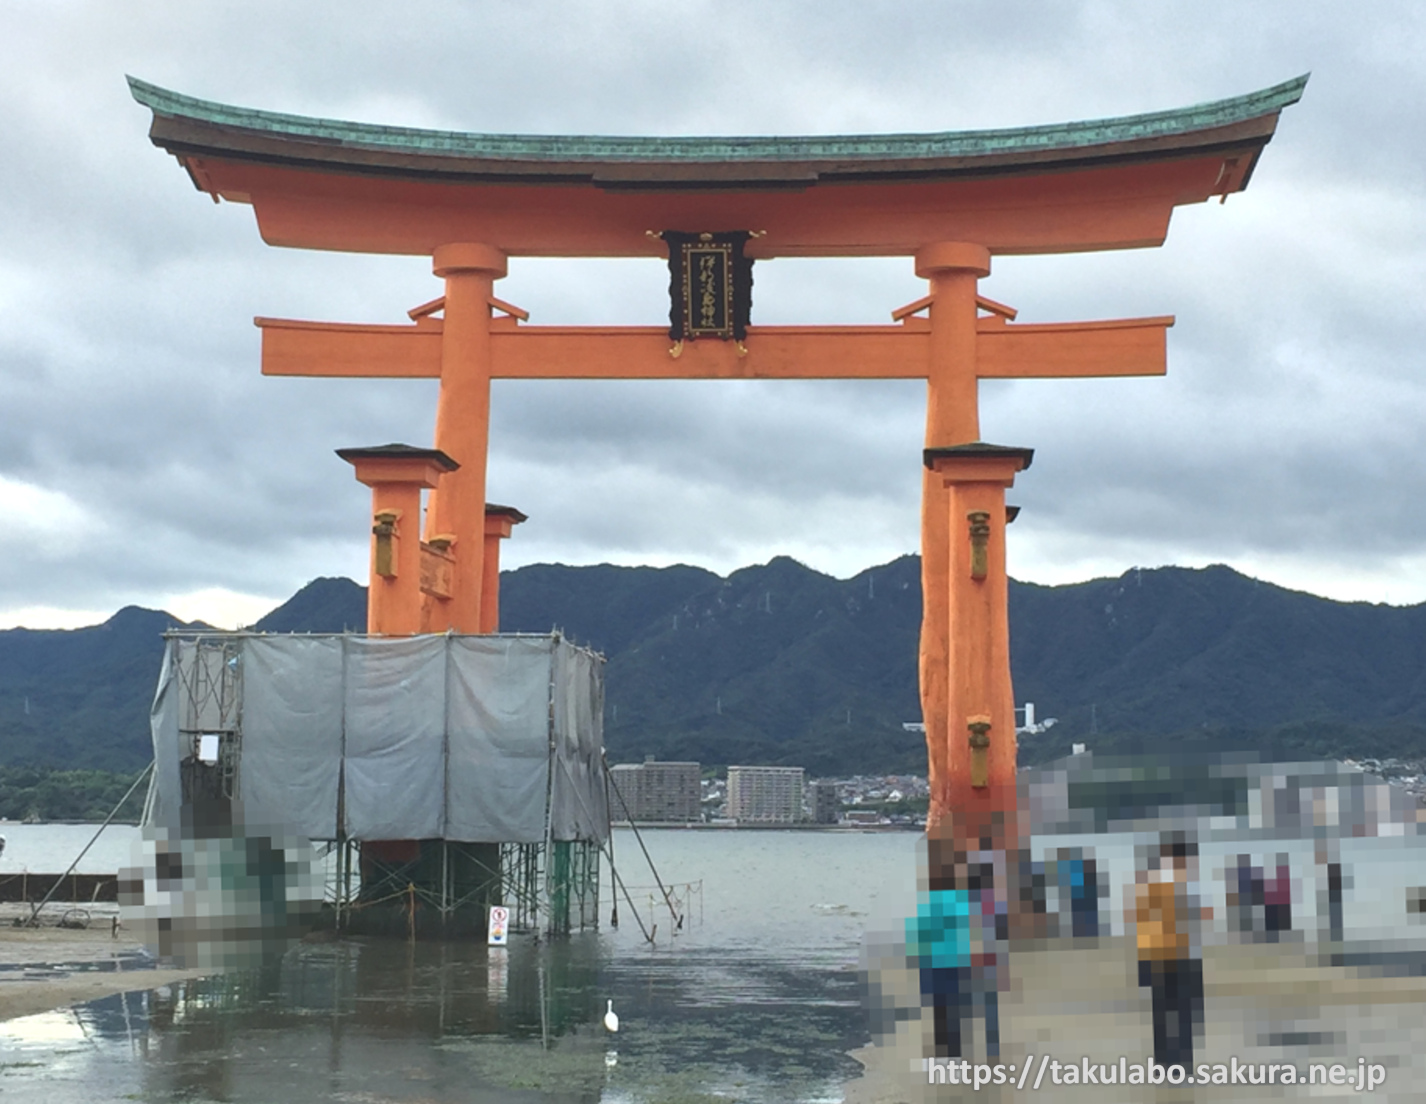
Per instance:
(1263,1004)
(48,967)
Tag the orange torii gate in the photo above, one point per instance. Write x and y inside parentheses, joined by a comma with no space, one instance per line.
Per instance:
(949,201)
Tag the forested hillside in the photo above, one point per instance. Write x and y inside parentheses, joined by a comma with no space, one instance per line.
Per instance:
(780,664)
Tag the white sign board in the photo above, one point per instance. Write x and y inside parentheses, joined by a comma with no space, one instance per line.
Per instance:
(499,925)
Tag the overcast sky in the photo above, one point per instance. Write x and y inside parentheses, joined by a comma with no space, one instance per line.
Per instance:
(144,460)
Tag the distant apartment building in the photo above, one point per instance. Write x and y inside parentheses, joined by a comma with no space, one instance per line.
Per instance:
(765,795)
(657,792)
(823,804)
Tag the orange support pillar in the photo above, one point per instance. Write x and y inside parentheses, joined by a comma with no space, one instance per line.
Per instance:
(500,521)
(952,418)
(463,424)
(396,474)
(978,740)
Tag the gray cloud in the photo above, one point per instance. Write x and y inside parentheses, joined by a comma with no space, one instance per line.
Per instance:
(151,458)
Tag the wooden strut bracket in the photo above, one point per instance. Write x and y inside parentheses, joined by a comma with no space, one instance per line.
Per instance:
(509,309)
(1000,310)
(426,310)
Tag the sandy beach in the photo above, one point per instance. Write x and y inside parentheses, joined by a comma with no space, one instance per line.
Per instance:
(1263,1004)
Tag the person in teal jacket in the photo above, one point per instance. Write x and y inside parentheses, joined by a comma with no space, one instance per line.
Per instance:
(938,941)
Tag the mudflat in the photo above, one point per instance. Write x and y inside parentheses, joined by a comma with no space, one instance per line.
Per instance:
(47,967)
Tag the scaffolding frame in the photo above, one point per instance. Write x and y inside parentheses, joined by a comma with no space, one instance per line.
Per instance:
(551,887)
(212,687)
(522,875)
(549,891)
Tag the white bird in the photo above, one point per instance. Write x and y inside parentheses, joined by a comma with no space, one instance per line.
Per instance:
(611,1018)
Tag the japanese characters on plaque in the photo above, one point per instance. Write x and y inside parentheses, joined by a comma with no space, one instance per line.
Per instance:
(710,285)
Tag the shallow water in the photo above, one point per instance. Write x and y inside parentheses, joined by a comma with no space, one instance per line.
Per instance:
(757,998)
(50,848)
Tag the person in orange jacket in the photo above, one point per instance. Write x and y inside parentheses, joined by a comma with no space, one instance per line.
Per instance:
(1166,918)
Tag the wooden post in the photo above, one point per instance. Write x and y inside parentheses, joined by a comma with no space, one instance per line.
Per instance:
(978,783)
(952,418)
(463,423)
(396,475)
(500,521)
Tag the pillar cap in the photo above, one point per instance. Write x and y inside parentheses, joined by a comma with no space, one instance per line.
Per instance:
(395,451)
(978,450)
(398,465)
(493,509)
(952,256)
(468,257)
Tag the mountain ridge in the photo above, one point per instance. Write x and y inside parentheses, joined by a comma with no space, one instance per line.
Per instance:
(778,663)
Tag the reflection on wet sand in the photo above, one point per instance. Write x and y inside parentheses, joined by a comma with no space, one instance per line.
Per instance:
(760,1001)
(358,1020)
(377,1021)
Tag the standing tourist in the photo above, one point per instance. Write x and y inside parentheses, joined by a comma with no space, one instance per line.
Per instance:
(1166,920)
(989,933)
(1277,900)
(938,942)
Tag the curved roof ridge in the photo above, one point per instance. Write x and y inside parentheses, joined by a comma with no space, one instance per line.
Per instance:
(598,148)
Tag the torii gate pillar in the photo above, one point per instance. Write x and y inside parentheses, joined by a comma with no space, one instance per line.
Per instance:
(396,474)
(952,418)
(499,522)
(973,755)
(457,510)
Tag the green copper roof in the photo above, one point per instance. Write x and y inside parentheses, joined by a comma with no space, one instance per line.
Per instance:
(566,149)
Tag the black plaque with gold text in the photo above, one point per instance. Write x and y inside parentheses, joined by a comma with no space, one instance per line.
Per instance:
(710,285)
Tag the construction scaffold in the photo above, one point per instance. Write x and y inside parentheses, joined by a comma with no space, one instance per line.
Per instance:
(283,725)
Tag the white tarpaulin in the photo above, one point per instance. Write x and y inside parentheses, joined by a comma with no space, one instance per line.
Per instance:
(471,738)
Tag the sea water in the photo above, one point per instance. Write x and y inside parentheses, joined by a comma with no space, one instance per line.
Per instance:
(50,848)
(755,997)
